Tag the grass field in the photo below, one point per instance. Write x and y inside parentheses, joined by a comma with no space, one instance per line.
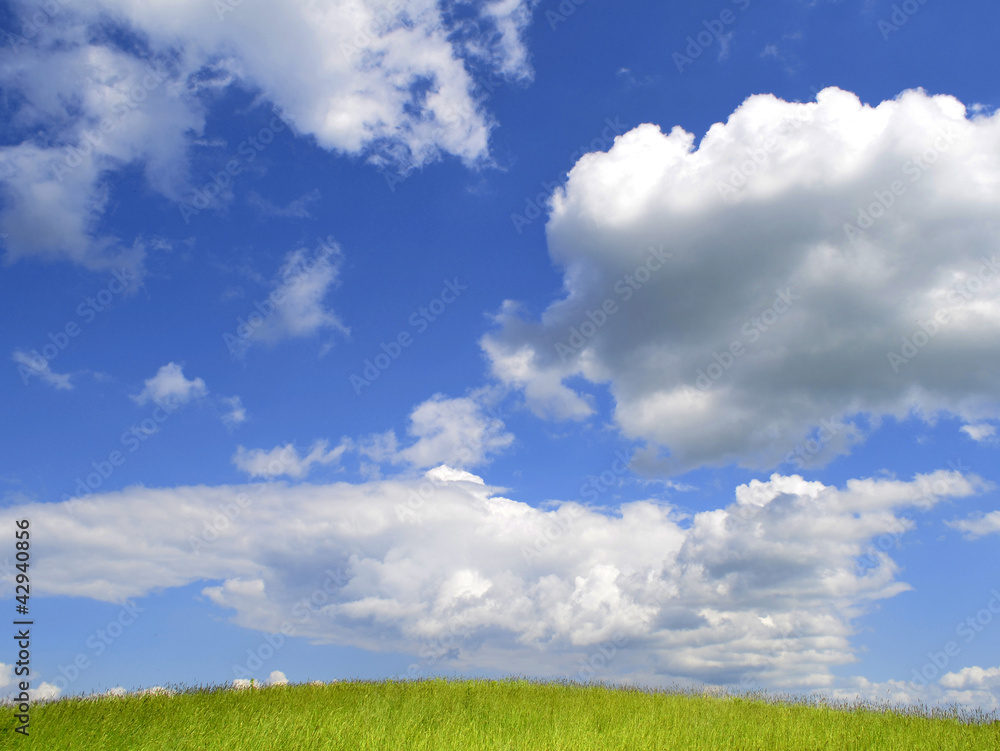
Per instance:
(476,714)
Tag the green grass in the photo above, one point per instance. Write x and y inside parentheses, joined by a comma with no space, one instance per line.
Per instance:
(478,714)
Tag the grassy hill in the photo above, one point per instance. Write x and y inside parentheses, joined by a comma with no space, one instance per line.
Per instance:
(477,714)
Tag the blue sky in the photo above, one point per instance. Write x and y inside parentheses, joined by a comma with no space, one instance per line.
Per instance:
(384,339)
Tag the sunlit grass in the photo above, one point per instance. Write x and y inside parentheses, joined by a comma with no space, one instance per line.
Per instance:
(480,714)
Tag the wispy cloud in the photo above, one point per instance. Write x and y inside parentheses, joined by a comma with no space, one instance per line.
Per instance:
(295,209)
(296,305)
(286,460)
(237,413)
(978,526)
(35,366)
(981,432)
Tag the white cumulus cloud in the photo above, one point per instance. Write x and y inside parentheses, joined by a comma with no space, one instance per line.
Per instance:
(462,432)
(277,678)
(171,388)
(45,691)
(802,263)
(457,432)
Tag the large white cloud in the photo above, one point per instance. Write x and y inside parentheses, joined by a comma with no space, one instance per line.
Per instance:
(354,73)
(394,82)
(766,587)
(805,262)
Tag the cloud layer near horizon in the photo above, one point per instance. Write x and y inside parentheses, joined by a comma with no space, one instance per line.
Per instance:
(445,566)
(803,265)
